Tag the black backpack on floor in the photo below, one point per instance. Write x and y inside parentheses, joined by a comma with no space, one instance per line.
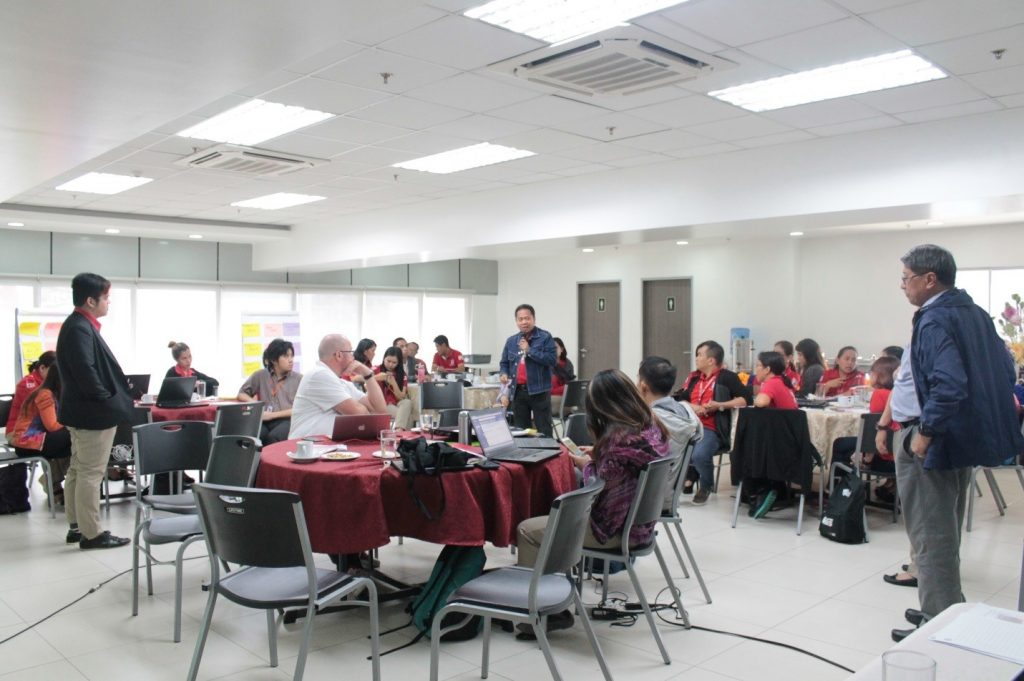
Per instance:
(843,519)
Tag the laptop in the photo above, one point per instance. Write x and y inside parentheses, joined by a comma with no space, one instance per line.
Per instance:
(359,426)
(537,443)
(497,442)
(138,385)
(176,393)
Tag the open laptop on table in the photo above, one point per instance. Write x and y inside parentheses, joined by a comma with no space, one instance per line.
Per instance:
(176,393)
(138,385)
(497,442)
(537,443)
(359,426)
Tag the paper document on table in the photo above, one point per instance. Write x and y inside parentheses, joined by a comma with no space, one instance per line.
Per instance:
(996,632)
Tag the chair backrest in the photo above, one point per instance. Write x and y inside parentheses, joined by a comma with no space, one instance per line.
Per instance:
(866,436)
(562,545)
(244,418)
(576,430)
(650,493)
(171,446)
(449,418)
(774,444)
(441,395)
(574,397)
(253,527)
(234,460)
(5,409)
(677,474)
(124,434)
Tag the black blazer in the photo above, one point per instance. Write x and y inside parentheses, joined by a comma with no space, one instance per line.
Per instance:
(211,382)
(94,391)
(773,444)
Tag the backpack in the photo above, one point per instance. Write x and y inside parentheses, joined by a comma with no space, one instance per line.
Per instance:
(843,519)
(455,566)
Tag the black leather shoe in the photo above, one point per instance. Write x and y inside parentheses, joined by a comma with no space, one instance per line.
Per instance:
(900,634)
(915,617)
(104,540)
(74,536)
(891,579)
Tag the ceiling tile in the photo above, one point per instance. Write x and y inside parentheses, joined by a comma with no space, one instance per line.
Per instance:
(534,177)
(862,6)
(828,112)
(379,26)
(611,127)
(585,169)
(481,128)
(974,53)
(950,111)
(472,92)
(543,163)
(739,22)
(326,95)
(543,141)
(930,21)
(688,111)
(428,142)
(834,43)
(748,69)
(666,140)
(640,160)
(772,140)
(706,150)
(739,128)
(364,69)
(179,146)
(998,83)
(855,126)
(454,5)
(463,43)
(307,145)
(920,96)
(377,156)
(355,131)
(322,59)
(353,184)
(269,82)
(1012,101)
(600,152)
(409,113)
(549,110)
(659,23)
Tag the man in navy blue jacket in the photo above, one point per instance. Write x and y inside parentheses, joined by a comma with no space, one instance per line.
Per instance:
(526,363)
(964,380)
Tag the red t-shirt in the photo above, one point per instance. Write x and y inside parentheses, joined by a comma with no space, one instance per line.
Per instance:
(878,399)
(557,386)
(389,397)
(781,396)
(703,392)
(451,362)
(852,380)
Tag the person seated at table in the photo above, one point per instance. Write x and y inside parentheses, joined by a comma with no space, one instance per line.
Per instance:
(393,383)
(398,343)
(36,375)
(713,391)
(38,432)
(776,390)
(413,363)
(845,376)
(784,348)
(561,373)
(447,359)
(892,351)
(183,367)
(812,365)
(366,350)
(626,436)
(323,393)
(275,385)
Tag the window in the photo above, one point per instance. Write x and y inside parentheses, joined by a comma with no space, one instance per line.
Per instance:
(447,315)
(184,315)
(324,312)
(389,315)
(233,304)
(12,296)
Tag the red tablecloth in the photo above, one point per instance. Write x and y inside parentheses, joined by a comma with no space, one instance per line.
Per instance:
(358,505)
(205,412)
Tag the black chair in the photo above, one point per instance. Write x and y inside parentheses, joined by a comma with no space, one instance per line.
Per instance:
(233,461)
(244,418)
(439,395)
(646,508)
(574,400)
(670,517)
(866,445)
(176,447)
(265,532)
(9,457)
(775,445)
(576,430)
(529,595)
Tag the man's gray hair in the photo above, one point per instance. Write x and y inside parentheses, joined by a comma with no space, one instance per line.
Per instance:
(330,344)
(931,258)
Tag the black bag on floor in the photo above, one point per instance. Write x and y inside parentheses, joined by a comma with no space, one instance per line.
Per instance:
(843,519)
(13,489)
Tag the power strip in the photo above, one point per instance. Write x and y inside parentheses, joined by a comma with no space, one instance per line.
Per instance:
(606,613)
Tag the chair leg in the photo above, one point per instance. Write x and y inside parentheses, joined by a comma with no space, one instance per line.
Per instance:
(675,548)
(45,465)
(693,562)
(800,516)
(545,647)
(371,590)
(647,612)
(997,493)
(718,472)
(485,655)
(179,565)
(604,580)
(135,569)
(435,642)
(204,630)
(149,568)
(736,506)
(307,637)
(594,645)
(272,636)
(673,589)
(970,498)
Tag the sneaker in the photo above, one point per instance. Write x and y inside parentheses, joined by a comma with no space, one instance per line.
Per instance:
(104,540)
(766,505)
(701,496)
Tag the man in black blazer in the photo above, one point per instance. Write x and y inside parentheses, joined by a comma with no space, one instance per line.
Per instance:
(94,399)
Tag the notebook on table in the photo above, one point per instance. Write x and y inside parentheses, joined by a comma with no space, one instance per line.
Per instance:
(359,426)
(176,393)
(497,442)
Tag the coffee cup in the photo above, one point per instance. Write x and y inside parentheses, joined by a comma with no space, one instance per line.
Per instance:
(304,450)
(147,399)
(844,401)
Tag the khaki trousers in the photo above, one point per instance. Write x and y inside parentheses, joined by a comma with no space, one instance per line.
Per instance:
(402,413)
(90,452)
(531,533)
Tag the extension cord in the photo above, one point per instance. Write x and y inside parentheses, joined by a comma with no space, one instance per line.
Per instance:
(599,613)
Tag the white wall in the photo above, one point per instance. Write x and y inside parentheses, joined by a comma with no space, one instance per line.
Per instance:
(837,290)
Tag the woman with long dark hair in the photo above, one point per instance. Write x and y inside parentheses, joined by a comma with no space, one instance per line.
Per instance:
(35,377)
(275,385)
(37,431)
(561,373)
(395,386)
(812,365)
(845,376)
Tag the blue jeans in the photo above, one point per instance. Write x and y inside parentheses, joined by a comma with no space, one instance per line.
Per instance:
(704,458)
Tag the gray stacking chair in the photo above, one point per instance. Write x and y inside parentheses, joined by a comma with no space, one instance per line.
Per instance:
(172,447)
(670,517)
(573,400)
(646,508)
(265,532)
(244,418)
(529,595)
(233,461)
(576,430)
(993,485)
(439,395)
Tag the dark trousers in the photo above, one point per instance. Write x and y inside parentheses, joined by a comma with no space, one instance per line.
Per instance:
(275,431)
(539,405)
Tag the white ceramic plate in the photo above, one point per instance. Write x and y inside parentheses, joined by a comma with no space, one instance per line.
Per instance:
(302,459)
(340,456)
(381,455)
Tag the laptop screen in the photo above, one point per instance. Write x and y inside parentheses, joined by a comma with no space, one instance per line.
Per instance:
(491,429)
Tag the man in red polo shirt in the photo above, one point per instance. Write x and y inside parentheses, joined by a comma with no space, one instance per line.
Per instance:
(447,359)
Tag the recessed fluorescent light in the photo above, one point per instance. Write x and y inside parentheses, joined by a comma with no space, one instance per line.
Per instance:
(195,236)
(254,122)
(278,201)
(555,21)
(588,250)
(796,233)
(15,224)
(112,230)
(840,80)
(464,158)
(103,183)
(682,243)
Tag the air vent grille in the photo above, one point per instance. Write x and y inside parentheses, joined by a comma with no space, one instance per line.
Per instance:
(248,161)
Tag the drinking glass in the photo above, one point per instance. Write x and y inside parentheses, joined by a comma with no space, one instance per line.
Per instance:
(201,389)
(907,665)
(388,444)
(819,391)
(429,420)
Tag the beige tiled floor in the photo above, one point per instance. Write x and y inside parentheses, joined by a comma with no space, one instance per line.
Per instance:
(766,581)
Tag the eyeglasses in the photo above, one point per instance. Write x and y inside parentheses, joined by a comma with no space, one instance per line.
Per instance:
(351,352)
(904,279)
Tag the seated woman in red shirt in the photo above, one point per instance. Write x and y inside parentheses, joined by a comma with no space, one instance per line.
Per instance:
(36,375)
(562,373)
(844,377)
(395,386)
(776,390)
(785,348)
(182,368)
(37,431)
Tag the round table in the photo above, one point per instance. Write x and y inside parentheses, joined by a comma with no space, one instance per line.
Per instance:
(202,412)
(358,505)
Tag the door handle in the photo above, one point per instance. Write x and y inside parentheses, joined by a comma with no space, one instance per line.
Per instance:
(583,352)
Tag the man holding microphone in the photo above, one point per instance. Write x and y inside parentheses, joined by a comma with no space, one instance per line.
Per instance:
(526,363)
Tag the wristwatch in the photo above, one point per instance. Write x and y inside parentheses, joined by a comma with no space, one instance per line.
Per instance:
(879,426)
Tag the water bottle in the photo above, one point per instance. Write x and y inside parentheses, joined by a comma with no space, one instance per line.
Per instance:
(464,427)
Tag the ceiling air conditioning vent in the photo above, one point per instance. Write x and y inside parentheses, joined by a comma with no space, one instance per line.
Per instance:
(248,161)
(621,61)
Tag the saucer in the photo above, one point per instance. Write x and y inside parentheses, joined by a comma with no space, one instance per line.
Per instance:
(340,456)
(301,459)
(381,455)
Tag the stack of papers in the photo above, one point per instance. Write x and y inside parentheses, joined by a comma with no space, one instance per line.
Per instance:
(996,632)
